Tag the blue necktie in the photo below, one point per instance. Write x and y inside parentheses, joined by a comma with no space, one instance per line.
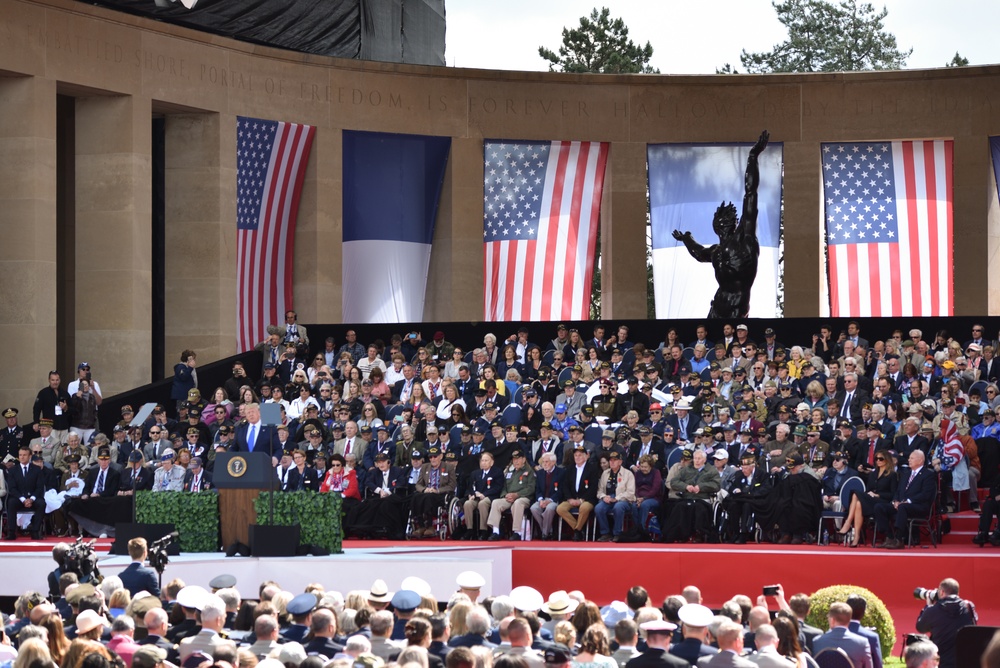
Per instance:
(251,437)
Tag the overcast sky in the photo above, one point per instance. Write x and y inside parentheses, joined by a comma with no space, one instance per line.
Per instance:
(696,37)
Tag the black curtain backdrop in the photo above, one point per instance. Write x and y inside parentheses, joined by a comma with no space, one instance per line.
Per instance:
(386,30)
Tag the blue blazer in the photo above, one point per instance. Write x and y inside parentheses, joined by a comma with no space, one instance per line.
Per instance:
(873,641)
(554,489)
(267,439)
(137,578)
(856,646)
(922,491)
(490,487)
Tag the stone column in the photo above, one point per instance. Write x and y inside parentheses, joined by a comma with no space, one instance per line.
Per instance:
(623,233)
(28,233)
(319,235)
(455,281)
(973,236)
(200,238)
(802,220)
(113,239)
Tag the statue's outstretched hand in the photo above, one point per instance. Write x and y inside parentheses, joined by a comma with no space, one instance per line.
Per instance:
(761,143)
(681,236)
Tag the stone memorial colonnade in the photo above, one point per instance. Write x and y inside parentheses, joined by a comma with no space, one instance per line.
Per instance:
(111,73)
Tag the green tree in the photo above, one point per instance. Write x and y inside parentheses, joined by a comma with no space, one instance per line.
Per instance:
(600,45)
(826,36)
(957,61)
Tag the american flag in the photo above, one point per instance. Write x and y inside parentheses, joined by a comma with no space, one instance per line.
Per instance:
(888,212)
(271,162)
(541,209)
(951,444)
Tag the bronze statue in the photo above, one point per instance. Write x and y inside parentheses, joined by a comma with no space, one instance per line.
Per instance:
(735,256)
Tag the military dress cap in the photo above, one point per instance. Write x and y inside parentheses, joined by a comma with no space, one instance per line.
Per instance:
(526,599)
(45,422)
(658,626)
(489,406)
(516,453)
(192,596)
(75,458)
(223,581)
(10,412)
(695,614)
(302,604)
(140,605)
(405,600)
(470,580)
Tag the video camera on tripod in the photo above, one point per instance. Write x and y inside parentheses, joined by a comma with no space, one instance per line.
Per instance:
(157,553)
(82,560)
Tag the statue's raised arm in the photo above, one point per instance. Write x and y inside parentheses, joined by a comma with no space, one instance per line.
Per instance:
(748,221)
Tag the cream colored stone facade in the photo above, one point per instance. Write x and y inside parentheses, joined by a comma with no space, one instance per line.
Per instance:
(121,70)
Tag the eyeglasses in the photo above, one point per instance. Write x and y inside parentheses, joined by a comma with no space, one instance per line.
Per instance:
(880,459)
(154,433)
(336,465)
(977,329)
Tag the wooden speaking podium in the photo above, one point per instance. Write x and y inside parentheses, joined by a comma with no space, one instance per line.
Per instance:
(240,477)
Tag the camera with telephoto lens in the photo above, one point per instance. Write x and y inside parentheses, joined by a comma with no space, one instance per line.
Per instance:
(928,595)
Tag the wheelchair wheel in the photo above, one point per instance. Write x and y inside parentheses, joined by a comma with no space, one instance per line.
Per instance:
(456,515)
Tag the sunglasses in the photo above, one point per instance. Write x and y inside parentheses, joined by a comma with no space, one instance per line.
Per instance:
(880,459)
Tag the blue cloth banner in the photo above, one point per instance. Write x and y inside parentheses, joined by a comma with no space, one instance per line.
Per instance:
(687,183)
(392,186)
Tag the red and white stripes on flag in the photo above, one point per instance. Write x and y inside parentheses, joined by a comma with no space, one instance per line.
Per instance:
(271,162)
(541,211)
(950,442)
(889,223)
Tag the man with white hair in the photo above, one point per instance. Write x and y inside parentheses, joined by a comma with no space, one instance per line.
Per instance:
(213,618)
(381,626)
(477,620)
(766,639)
(922,654)
(356,646)
(122,640)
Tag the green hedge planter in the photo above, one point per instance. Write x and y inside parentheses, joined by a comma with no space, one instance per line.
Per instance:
(876,616)
(318,515)
(195,514)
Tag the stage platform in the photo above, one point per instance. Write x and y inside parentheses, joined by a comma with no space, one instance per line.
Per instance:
(603,571)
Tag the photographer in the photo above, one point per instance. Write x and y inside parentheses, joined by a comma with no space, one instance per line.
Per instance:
(943,616)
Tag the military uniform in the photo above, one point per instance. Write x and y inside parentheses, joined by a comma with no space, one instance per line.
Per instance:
(11,437)
(519,481)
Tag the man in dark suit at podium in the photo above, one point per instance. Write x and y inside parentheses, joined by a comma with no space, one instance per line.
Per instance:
(255,436)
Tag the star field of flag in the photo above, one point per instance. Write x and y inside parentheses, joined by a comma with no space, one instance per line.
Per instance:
(254,138)
(859,192)
(512,193)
